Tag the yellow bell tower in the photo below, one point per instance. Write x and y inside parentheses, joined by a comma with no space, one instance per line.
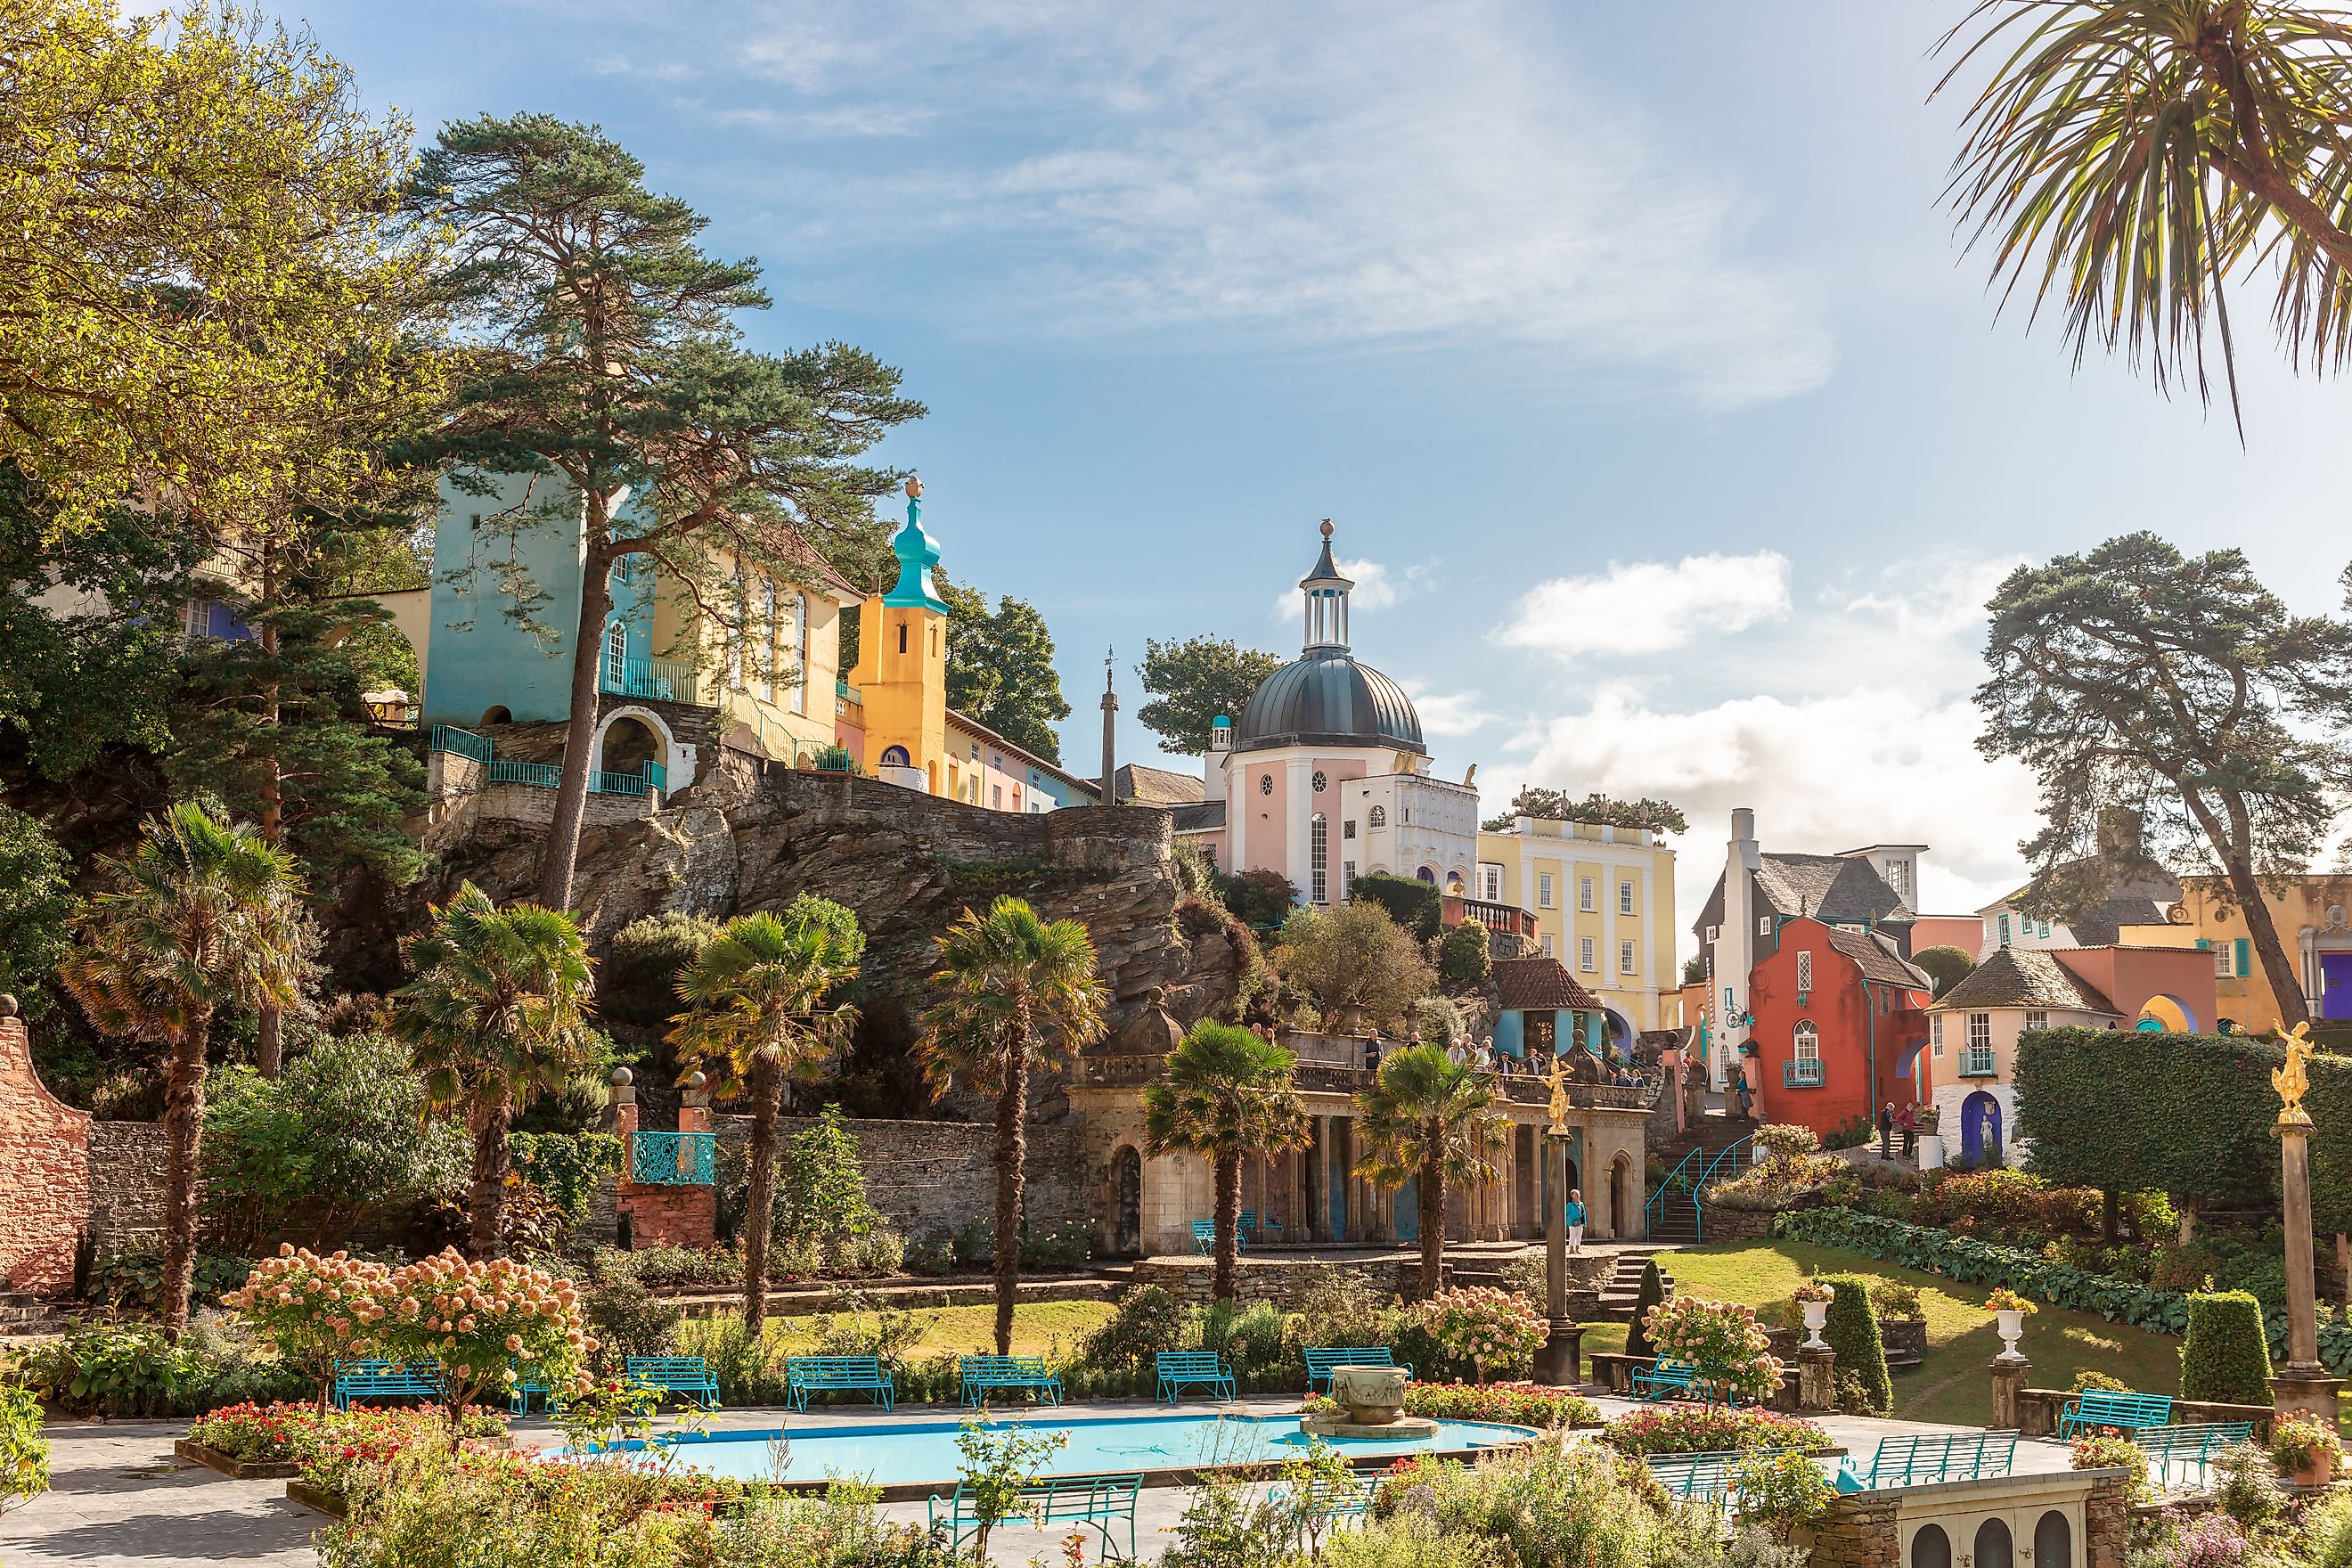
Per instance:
(902,659)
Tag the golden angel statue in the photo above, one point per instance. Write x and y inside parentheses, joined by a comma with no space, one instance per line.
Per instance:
(2292,1080)
(1558,1082)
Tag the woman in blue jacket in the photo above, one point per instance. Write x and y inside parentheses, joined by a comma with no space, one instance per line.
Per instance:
(1576,1219)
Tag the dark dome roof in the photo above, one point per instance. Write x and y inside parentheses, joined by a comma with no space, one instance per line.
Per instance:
(1327,698)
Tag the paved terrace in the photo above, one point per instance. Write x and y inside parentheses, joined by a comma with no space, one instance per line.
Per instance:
(120,1500)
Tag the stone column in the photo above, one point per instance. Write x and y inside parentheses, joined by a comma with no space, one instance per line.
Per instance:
(1816,1380)
(2008,1383)
(2302,1384)
(1561,1359)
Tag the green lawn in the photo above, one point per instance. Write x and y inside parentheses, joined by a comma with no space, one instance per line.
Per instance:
(1953,1384)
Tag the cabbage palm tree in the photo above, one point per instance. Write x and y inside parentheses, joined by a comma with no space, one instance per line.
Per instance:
(1016,992)
(202,917)
(756,1016)
(499,1010)
(1426,1120)
(2129,156)
(1225,1093)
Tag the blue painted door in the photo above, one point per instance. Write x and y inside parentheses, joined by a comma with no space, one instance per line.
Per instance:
(2335,985)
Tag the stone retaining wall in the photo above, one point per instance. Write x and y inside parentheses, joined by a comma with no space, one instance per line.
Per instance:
(929,1177)
(44,1170)
(1281,1280)
(127,1162)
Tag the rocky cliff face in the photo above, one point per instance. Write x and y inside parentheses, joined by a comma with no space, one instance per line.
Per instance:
(754,837)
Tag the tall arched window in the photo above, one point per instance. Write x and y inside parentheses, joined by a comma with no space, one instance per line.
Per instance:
(800,653)
(616,658)
(741,629)
(771,638)
(1809,1042)
(1379,818)
(1318,850)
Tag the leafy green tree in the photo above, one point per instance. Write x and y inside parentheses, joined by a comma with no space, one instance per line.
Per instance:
(1226,1094)
(342,1133)
(1465,958)
(197,238)
(1259,897)
(1429,1120)
(761,1008)
(605,355)
(1414,904)
(1853,1332)
(36,908)
(1659,816)
(1355,963)
(1192,682)
(1001,669)
(2133,679)
(202,917)
(2130,160)
(1946,965)
(1016,992)
(498,1011)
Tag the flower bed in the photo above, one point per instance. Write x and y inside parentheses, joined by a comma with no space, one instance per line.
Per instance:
(1711,1429)
(1517,1404)
(281,1440)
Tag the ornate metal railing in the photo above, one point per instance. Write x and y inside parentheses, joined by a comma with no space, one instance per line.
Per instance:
(539,775)
(1803,1073)
(663,680)
(673,1159)
(1975,1063)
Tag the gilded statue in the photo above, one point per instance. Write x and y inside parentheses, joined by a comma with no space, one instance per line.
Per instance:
(2292,1080)
(1558,1082)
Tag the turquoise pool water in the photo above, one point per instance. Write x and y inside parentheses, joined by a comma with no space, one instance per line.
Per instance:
(900,1455)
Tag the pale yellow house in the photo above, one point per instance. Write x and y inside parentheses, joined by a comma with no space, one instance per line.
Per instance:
(1603,902)
(2311,915)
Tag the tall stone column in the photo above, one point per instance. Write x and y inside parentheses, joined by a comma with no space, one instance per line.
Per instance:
(2302,1385)
(1561,1359)
(2008,1383)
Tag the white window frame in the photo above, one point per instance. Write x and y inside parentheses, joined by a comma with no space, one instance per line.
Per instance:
(2037,1019)
(1546,947)
(2225,962)
(800,653)
(1808,1039)
(1936,1032)
(1805,970)
(1763,925)
(1714,933)
(1584,894)
(1584,955)
(1318,858)
(1348,876)
(1490,883)
(768,601)
(1543,889)
(1626,958)
(1624,897)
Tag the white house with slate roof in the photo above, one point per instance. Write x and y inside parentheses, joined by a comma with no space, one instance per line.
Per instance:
(1972,1037)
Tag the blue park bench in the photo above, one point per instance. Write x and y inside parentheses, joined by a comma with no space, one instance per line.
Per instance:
(808,1375)
(1666,1380)
(1253,1225)
(369,1381)
(2192,1447)
(1179,1369)
(1706,1478)
(520,1391)
(686,1374)
(1319,1362)
(1097,1500)
(1205,1237)
(1918,1459)
(977,1374)
(2111,1408)
(1332,1499)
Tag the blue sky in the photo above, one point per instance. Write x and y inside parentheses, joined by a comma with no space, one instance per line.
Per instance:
(1635,361)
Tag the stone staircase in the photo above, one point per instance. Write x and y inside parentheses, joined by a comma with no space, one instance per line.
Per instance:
(1624,1286)
(1674,1216)
(24,1315)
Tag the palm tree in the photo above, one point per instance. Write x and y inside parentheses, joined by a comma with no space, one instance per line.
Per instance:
(1425,1119)
(203,917)
(1017,992)
(498,1010)
(2134,154)
(1225,1093)
(756,1016)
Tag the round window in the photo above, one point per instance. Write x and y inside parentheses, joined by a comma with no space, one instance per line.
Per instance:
(1319,781)
(1265,783)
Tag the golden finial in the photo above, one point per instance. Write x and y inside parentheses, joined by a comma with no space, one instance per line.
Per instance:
(1558,1082)
(2291,1081)
(1327,528)
(914,488)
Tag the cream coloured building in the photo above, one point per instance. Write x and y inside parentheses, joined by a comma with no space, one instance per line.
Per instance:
(1603,902)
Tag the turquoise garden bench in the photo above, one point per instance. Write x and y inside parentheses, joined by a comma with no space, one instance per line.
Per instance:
(1918,1459)
(520,1391)
(1253,1225)
(1705,1477)
(810,1374)
(977,1374)
(369,1381)
(1179,1369)
(1205,1237)
(1319,1362)
(1332,1499)
(2191,1447)
(1665,1380)
(686,1374)
(2111,1407)
(1097,1500)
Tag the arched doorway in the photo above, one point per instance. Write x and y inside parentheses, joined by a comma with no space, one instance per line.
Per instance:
(629,743)
(1127,1197)
(1931,1548)
(894,756)
(497,715)
(1621,1197)
(1980,1128)
(2168,1013)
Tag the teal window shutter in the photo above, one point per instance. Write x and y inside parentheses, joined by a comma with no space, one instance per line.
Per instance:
(2246,957)
(2204,944)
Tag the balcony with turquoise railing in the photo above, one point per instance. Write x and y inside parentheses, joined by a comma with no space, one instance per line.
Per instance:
(449,738)
(659,680)
(673,1159)
(1805,1072)
(1977,1063)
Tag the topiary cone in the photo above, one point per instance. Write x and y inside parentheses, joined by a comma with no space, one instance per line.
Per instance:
(1652,1293)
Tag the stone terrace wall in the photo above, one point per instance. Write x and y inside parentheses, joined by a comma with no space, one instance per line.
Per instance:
(1279,1280)
(126,1186)
(924,1177)
(44,1170)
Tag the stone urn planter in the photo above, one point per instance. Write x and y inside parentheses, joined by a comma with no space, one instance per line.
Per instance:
(2010,1324)
(1816,1318)
(1371,1405)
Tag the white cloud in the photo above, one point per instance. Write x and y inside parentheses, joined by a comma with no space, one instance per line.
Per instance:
(1650,607)
(1448,712)
(1334,176)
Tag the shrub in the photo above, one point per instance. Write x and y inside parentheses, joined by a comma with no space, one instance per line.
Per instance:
(1064,1246)
(628,1319)
(116,1369)
(1336,1307)
(2094,1451)
(1722,1340)
(1546,1507)
(2225,1358)
(315,1310)
(2327,1534)
(1782,1491)
(932,1258)
(482,1324)
(2087,1379)
(670,1265)
(2247,1486)
(1438,1021)
(1786,1140)
(637,983)
(1520,1404)
(1414,904)
(23,1452)
(821,1185)
(1254,1340)
(134,1280)
(567,1167)
(1145,1321)
(1490,1333)
(1711,1429)
(1894,1299)
(1652,1292)
(1852,1333)
(1464,960)
(2298,1443)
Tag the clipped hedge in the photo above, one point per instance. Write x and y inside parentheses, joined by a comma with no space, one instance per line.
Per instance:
(1852,1333)
(2225,1360)
(1974,1262)
(1653,1292)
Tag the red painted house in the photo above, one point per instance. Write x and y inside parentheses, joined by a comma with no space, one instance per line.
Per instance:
(1840,1020)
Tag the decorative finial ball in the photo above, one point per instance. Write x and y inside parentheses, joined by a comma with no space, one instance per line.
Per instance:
(1327,528)
(914,488)
(695,1080)
(8,1005)
(623,1078)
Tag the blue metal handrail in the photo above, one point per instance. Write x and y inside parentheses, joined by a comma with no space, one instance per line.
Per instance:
(673,1159)
(542,775)
(1655,1209)
(461,742)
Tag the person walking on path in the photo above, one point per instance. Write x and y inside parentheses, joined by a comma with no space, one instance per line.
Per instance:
(1886,1131)
(1910,1127)
(1575,1219)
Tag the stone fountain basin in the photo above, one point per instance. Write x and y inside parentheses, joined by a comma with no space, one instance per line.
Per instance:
(1371,1399)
